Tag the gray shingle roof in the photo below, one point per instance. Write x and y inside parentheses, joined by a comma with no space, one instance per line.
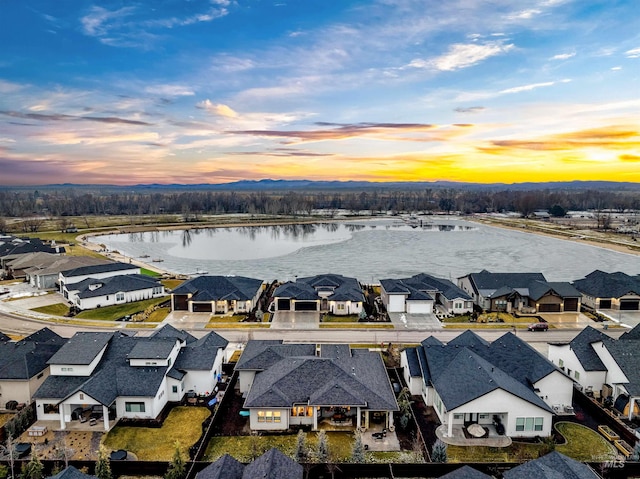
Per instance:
(344,288)
(419,286)
(357,379)
(581,346)
(486,280)
(538,289)
(468,338)
(99,268)
(71,472)
(467,472)
(299,291)
(201,354)
(626,353)
(168,331)
(213,288)
(226,467)
(261,354)
(552,466)
(28,357)
(93,288)
(82,348)
(273,465)
(113,376)
(608,285)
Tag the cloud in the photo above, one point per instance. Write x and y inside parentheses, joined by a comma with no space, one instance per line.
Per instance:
(462,55)
(523,14)
(531,86)
(62,117)
(563,56)
(633,53)
(633,158)
(170,90)
(10,87)
(217,109)
(99,21)
(470,109)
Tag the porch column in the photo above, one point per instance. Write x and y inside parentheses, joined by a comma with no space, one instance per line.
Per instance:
(358,418)
(390,419)
(105,417)
(450,425)
(315,418)
(61,411)
(632,401)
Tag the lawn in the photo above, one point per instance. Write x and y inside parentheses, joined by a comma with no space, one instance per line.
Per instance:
(184,425)
(489,321)
(58,309)
(331,318)
(244,448)
(111,313)
(582,444)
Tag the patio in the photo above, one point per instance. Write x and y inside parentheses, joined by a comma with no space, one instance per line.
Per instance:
(460,439)
(379,439)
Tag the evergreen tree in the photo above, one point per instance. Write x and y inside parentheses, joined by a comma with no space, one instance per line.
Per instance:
(439,452)
(357,453)
(33,469)
(322,451)
(177,468)
(103,467)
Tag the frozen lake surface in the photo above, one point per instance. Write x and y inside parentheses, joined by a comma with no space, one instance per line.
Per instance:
(369,250)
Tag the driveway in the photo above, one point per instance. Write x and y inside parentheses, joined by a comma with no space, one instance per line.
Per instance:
(566,320)
(625,318)
(295,320)
(427,322)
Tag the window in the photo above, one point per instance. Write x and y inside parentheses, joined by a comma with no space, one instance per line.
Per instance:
(302,411)
(577,375)
(51,408)
(174,389)
(560,363)
(40,375)
(119,296)
(457,417)
(81,396)
(529,423)
(268,416)
(134,407)
(66,369)
(340,306)
(457,305)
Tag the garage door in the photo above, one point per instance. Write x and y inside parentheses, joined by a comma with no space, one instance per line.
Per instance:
(419,307)
(549,308)
(180,302)
(629,304)
(284,304)
(605,304)
(571,304)
(202,307)
(306,306)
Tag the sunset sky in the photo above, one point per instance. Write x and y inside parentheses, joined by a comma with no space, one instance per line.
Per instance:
(213,91)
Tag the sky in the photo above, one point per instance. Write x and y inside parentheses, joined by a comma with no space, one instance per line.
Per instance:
(216,91)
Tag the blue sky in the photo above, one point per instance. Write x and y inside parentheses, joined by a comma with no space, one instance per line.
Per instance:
(214,91)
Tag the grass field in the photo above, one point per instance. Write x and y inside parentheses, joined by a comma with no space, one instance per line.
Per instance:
(58,309)
(111,313)
(183,425)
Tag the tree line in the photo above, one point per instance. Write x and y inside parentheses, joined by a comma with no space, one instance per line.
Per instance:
(68,202)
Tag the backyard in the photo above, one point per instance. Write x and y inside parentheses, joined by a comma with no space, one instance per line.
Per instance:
(183,425)
(581,443)
(111,313)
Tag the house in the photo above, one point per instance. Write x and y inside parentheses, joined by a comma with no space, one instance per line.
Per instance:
(273,464)
(217,294)
(617,291)
(97,271)
(291,385)
(71,472)
(606,367)
(470,380)
(23,364)
(553,465)
(423,293)
(527,293)
(580,361)
(466,472)
(114,375)
(332,293)
(94,293)
(46,276)
(16,268)
(12,247)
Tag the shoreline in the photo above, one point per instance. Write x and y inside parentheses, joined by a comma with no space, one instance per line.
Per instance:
(572,236)
(575,236)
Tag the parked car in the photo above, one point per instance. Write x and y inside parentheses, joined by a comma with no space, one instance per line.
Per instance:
(538,327)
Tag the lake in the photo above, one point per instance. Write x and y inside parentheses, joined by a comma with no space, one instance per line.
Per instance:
(369,250)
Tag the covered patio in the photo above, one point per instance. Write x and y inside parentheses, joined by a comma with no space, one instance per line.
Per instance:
(459,438)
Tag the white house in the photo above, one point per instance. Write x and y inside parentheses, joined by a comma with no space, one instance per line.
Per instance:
(471,381)
(94,293)
(97,271)
(112,375)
